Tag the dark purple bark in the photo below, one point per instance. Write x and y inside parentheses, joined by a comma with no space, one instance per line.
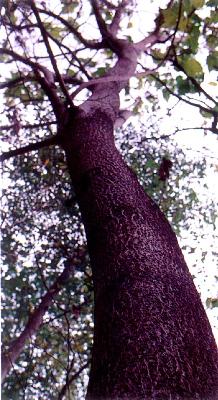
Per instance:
(152,339)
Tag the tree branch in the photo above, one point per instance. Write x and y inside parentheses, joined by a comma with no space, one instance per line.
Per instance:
(100,21)
(107,79)
(71,379)
(35,320)
(46,81)
(28,126)
(194,81)
(22,59)
(153,37)
(13,82)
(29,78)
(51,91)
(115,24)
(199,106)
(50,53)
(54,140)
(91,44)
(81,66)
(123,115)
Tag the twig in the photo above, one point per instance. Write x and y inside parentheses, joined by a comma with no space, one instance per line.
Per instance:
(202,108)
(73,377)
(91,44)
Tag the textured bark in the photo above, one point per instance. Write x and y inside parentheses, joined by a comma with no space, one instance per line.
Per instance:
(152,339)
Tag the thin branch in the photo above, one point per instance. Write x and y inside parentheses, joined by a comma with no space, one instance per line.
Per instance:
(81,66)
(73,377)
(35,320)
(201,128)
(115,24)
(173,36)
(50,90)
(194,82)
(153,37)
(123,115)
(46,84)
(22,59)
(29,78)
(28,126)
(199,106)
(107,79)
(54,140)
(50,53)
(14,82)
(100,21)
(91,44)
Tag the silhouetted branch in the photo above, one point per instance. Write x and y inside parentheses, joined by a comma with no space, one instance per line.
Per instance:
(202,108)
(30,147)
(71,379)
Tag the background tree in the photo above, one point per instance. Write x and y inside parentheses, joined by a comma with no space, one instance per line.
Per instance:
(45,63)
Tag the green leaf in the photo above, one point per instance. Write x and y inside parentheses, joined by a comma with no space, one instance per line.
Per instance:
(183,24)
(212,61)
(4,58)
(212,3)
(170,17)
(158,54)
(212,41)
(100,71)
(192,67)
(212,302)
(166,94)
(213,17)
(206,114)
(55,31)
(193,37)
(185,86)
(69,8)
(212,83)
(152,164)
(197,3)
(108,15)
(71,72)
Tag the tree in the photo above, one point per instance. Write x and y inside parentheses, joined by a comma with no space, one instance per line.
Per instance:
(152,338)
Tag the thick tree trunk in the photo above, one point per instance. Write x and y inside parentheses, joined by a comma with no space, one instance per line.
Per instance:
(152,339)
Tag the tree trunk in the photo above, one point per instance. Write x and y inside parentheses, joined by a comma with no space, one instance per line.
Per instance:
(152,339)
